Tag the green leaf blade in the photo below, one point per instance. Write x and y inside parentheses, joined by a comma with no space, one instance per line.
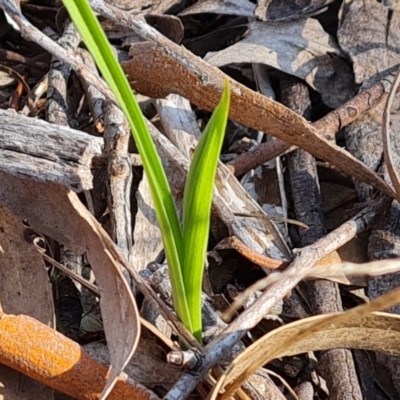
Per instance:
(197,207)
(98,45)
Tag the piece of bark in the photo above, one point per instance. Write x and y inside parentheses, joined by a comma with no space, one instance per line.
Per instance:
(94,97)
(38,150)
(57,99)
(368,377)
(119,177)
(24,289)
(304,391)
(147,236)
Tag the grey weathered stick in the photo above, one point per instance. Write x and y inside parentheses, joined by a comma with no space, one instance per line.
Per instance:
(305,259)
(57,112)
(119,177)
(57,100)
(336,366)
(94,97)
(44,152)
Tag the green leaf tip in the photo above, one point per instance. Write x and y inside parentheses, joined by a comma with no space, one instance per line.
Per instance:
(197,206)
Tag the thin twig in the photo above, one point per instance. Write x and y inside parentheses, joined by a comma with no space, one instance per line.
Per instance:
(73,275)
(232,242)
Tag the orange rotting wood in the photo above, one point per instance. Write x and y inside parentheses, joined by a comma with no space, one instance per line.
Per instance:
(49,357)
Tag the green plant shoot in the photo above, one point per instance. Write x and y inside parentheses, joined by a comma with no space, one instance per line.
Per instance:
(185,247)
(197,203)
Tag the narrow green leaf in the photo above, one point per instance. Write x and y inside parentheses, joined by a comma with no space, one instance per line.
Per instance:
(197,206)
(98,45)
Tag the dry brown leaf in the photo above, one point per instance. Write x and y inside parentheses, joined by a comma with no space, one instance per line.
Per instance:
(368,33)
(148,6)
(243,8)
(157,70)
(300,48)
(24,289)
(59,214)
(360,328)
(283,10)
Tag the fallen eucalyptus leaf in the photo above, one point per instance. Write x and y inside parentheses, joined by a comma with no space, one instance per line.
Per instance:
(59,214)
(359,328)
(300,48)
(182,70)
(24,289)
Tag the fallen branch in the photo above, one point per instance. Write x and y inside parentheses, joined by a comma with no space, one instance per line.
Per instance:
(181,71)
(45,152)
(56,361)
(327,126)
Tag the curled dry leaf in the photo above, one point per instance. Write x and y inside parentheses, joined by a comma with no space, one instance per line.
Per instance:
(301,48)
(368,33)
(360,328)
(243,8)
(282,10)
(24,289)
(59,214)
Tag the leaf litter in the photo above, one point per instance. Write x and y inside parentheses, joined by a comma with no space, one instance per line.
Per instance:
(336,48)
